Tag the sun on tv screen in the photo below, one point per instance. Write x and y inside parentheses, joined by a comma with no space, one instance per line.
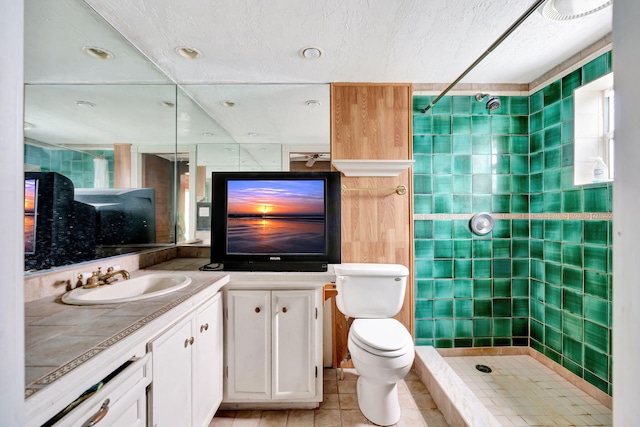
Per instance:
(275,221)
(30,200)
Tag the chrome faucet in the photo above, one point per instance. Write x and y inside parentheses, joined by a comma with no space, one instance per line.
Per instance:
(99,279)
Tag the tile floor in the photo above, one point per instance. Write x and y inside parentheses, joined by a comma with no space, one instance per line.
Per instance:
(340,407)
(523,392)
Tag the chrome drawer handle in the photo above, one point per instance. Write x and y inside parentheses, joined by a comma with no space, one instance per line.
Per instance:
(98,416)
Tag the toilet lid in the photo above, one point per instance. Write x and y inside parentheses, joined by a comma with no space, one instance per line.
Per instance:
(381,336)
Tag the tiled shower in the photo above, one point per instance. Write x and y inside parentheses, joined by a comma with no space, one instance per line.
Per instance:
(542,278)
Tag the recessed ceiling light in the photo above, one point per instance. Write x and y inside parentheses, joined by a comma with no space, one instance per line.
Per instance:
(85,104)
(28,125)
(311,53)
(229,104)
(188,52)
(564,10)
(97,52)
(313,103)
(207,134)
(168,104)
(252,134)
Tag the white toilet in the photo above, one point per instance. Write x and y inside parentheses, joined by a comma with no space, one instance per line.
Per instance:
(381,347)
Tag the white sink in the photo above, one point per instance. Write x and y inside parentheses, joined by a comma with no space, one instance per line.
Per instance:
(143,287)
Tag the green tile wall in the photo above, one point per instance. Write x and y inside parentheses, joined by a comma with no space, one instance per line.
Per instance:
(540,282)
(76,166)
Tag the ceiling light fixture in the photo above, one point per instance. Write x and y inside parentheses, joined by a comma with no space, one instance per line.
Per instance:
(97,52)
(207,134)
(188,52)
(311,53)
(168,104)
(564,10)
(313,103)
(28,125)
(252,134)
(229,104)
(85,104)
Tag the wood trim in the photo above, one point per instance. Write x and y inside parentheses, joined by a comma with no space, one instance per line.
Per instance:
(122,165)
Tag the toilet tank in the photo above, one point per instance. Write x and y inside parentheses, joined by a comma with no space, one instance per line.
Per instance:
(373,291)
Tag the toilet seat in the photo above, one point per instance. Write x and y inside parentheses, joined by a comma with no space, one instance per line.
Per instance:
(381,337)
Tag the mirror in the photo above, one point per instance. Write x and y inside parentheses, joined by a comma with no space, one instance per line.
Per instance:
(92,99)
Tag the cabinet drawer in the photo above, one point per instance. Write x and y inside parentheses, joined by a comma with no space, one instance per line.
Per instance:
(121,402)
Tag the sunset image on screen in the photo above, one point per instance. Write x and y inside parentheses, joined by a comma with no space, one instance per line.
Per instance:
(30,192)
(275,217)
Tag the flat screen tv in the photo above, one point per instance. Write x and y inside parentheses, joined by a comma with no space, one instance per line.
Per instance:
(275,221)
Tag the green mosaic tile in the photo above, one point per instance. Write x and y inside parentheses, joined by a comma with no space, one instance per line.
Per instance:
(463,308)
(422,204)
(501,203)
(423,164)
(520,268)
(501,125)
(553,229)
(520,228)
(482,328)
(461,229)
(596,362)
(463,288)
(443,269)
(462,184)
(443,288)
(442,164)
(572,326)
(537,331)
(594,69)
(482,248)
(551,180)
(479,108)
(442,184)
(502,307)
(536,162)
(596,284)
(552,93)
(463,329)
(462,268)
(481,268)
(461,105)
(442,203)
(519,145)
(596,336)
(423,229)
(570,82)
(552,137)
(424,328)
(572,201)
(443,106)
(461,144)
(595,258)
(443,248)
(519,105)
(482,288)
(500,164)
(536,182)
(461,125)
(500,144)
(572,301)
(597,382)
(422,124)
(422,184)
(442,309)
(462,342)
(520,308)
(502,229)
(551,115)
(420,102)
(595,232)
(553,295)
(595,199)
(573,349)
(572,254)
(537,290)
(536,249)
(481,203)
(461,203)
(424,288)
(502,327)
(442,144)
(520,165)
(536,142)
(423,248)
(536,101)
(443,328)
(502,288)
(462,248)
(443,343)
(537,270)
(572,231)
(502,248)
(567,109)
(480,125)
(501,268)
(481,164)
(552,271)
(424,309)
(572,278)
(424,268)
(572,367)
(441,125)
(462,164)
(552,158)
(552,201)
(520,203)
(501,184)
(567,159)
(442,229)
(553,339)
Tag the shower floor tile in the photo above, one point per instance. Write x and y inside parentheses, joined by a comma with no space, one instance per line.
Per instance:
(520,391)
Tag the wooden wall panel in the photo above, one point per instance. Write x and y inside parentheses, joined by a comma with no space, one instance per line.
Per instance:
(122,165)
(158,173)
(373,121)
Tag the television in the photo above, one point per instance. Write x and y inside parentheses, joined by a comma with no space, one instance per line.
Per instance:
(275,221)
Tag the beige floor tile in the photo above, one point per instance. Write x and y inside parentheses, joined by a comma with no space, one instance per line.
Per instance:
(347,386)
(330,401)
(327,418)
(348,401)
(300,418)
(330,386)
(274,418)
(354,418)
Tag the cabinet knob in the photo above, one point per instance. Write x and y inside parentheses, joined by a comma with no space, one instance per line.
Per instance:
(188,342)
(204,327)
(257,309)
(191,340)
(284,309)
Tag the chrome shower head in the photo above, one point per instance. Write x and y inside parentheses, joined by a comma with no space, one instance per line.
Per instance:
(493,102)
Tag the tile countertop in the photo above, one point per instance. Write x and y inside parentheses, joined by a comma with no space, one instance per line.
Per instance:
(60,338)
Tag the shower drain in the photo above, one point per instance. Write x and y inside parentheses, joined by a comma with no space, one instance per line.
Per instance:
(483,368)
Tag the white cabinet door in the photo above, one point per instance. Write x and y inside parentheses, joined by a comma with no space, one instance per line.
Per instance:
(170,396)
(207,372)
(293,352)
(248,345)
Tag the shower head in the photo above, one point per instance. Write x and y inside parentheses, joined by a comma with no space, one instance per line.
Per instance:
(493,102)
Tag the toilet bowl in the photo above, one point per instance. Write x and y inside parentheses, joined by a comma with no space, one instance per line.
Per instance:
(381,348)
